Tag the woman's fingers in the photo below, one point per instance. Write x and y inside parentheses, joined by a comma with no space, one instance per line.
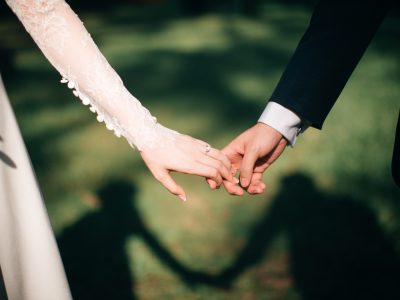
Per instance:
(204,170)
(218,165)
(221,161)
(220,157)
(189,156)
(166,180)
(220,168)
(216,154)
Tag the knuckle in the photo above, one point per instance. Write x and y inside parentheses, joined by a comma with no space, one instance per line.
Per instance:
(160,177)
(253,149)
(215,173)
(227,161)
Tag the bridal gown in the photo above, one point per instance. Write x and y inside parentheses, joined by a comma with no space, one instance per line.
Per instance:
(30,263)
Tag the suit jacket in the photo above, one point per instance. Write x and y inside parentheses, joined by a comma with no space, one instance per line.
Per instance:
(337,37)
(396,155)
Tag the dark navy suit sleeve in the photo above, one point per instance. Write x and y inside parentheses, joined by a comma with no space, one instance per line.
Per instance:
(338,34)
(396,155)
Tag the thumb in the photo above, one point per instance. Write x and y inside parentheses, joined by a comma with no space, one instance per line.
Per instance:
(246,169)
(166,180)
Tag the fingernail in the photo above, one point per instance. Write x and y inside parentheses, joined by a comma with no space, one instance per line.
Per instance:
(182,197)
(244,181)
(236,180)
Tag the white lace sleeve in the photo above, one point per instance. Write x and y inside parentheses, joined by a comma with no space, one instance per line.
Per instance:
(63,39)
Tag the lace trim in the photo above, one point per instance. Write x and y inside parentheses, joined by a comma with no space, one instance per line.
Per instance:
(68,46)
(150,139)
(33,6)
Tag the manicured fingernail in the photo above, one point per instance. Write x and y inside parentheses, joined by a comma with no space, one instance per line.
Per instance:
(182,197)
(236,180)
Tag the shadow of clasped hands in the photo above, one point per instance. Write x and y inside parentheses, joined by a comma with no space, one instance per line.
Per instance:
(337,249)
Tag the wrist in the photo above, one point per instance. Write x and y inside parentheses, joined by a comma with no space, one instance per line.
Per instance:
(269,131)
(282,120)
(155,137)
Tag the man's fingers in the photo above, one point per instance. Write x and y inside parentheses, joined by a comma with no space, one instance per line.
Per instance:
(256,186)
(233,189)
(255,190)
(235,157)
(229,150)
(257,178)
(166,180)
(246,169)
(213,185)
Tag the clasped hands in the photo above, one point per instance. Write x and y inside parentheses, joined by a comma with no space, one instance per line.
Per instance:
(249,154)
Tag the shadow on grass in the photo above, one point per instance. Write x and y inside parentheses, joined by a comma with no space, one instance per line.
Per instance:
(199,77)
(93,249)
(202,79)
(337,248)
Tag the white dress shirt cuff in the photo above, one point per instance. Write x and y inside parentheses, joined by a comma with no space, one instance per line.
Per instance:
(283,120)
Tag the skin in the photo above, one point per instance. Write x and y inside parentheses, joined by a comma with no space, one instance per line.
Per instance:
(187,155)
(252,153)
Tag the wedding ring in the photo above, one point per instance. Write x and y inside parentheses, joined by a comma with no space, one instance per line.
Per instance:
(208,148)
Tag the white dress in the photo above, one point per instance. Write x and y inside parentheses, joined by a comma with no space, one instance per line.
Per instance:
(30,263)
(29,258)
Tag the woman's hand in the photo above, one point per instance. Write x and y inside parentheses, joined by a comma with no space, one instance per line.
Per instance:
(190,156)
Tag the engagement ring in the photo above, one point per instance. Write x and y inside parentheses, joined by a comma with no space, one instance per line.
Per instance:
(208,148)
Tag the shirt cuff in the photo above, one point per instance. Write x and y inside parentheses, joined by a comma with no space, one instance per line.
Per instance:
(283,120)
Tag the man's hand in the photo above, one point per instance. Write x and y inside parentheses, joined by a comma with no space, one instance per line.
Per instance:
(252,153)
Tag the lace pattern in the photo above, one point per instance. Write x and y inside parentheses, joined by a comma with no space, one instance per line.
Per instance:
(65,42)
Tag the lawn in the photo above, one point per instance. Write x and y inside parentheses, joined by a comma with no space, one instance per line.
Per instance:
(329,221)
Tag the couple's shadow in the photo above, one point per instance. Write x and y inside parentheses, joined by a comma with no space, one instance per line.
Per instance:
(336,246)
(93,249)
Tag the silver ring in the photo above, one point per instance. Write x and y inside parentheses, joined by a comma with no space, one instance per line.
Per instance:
(208,148)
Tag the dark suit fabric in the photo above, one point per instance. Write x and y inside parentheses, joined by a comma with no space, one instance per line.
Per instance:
(396,155)
(337,37)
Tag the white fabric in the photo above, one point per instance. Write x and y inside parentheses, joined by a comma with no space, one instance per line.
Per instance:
(29,257)
(283,120)
(68,46)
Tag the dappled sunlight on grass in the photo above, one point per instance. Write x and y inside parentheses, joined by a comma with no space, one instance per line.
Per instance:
(208,76)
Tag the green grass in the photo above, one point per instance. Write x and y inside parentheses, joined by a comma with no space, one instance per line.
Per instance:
(209,77)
